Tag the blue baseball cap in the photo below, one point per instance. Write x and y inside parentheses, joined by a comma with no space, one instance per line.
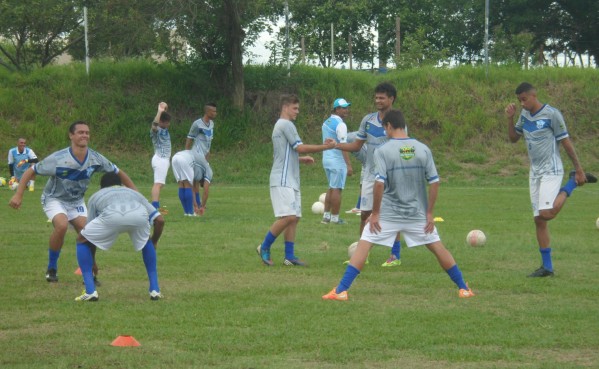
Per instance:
(341,103)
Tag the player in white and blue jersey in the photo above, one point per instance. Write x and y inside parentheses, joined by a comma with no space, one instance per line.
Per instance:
(544,129)
(336,163)
(201,132)
(404,168)
(191,171)
(70,171)
(372,133)
(114,210)
(161,140)
(19,160)
(285,181)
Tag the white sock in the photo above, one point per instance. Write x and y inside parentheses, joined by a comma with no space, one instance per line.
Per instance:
(326,215)
(335,218)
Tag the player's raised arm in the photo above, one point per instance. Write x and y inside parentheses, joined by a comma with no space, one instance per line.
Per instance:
(162,107)
(510,111)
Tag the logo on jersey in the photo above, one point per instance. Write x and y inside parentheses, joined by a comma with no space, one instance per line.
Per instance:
(540,124)
(407,152)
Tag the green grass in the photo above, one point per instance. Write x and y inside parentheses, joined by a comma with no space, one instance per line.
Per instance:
(223,309)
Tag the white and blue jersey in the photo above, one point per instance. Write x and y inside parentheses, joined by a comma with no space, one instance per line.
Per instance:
(201,133)
(405,166)
(371,130)
(334,128)
(14,157)
(161,140)
(285,170)
(118,200)
(542,132)
(69,178)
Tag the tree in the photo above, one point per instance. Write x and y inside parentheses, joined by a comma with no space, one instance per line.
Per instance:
(33,31)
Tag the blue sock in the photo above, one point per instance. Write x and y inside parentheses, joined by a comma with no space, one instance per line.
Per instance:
(546,257)
(569,187)
(289,254)
(182,198)
(198,199)
(86,261)
(456,276)
(156,204)
(359,201)
(396,249)
(268,241)
(53,259)
(149,256)
(351,272)
(188,194)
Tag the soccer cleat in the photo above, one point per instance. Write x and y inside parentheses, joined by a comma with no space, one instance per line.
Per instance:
(31,188)
(590,178)
(294,262)
(353,211)
(341,296)
(340,222)
(88,296)
(465,294)
(155,295)
(541,272)
(325,221)
(391,262)
(264,256)
(51,275)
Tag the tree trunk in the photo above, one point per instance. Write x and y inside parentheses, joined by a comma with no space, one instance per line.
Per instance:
(235,35)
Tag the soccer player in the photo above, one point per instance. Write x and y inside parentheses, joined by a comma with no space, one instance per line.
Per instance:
(403,167)
(161,140)
(544,129)
(201,132)
(114,210)
(191,171)
(361,156)
(70,171)
(19,160)
(335,162)
(372,134)
(285,181)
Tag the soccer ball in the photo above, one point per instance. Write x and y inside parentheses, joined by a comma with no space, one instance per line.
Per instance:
(597,223)
(322,197)
(318,207)
(476,238)
(351,249)
(13,184)
(2,181)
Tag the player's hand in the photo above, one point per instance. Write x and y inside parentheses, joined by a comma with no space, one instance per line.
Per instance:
(20,163)
(201,210)
(373,223)
(350,171)
(510,110)
(330,143)
(162,107)
(15,202)
(306,160)
(430,224)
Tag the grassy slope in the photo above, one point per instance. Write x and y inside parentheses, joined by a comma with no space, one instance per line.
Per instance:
(458,112)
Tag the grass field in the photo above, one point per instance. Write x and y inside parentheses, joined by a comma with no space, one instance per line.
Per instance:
(223,309)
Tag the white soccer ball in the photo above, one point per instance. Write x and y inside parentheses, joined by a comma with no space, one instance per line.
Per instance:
(597,223)
(322,197)
(14,185)
(351,249)
(318,207)
(476,238)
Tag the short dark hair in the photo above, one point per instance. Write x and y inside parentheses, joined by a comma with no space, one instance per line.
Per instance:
(387,89)
(110,179)
(287,99)
(395,118)
(524,87)
(165,117)
(75,124)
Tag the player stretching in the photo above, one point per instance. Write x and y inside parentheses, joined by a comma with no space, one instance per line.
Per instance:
(161,140)
(403,167)
(285,181)
(543,128)
(70,171)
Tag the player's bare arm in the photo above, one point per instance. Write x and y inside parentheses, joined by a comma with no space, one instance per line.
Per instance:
(580,177)
(510,111)
(433,191)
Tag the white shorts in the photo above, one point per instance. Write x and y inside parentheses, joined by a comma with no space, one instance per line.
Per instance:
(53,207)
(286,201)
(412,232)
(104,230)
(160,167)
(182,169)
(366,195)
(543,191)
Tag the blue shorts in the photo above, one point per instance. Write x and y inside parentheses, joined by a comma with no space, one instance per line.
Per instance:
(336,177)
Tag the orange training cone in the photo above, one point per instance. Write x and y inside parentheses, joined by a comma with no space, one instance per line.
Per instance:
(123,341)
(78,271)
